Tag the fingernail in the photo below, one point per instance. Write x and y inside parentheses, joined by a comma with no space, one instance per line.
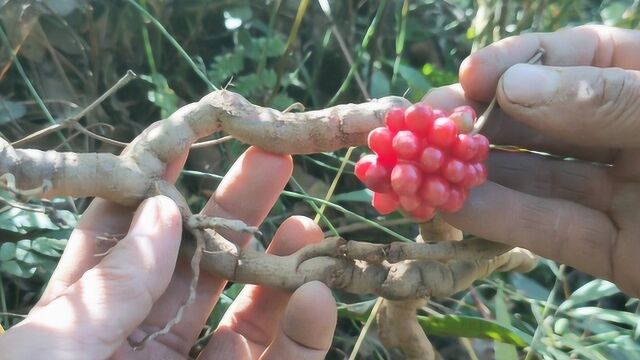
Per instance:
(147,218)
(528,85)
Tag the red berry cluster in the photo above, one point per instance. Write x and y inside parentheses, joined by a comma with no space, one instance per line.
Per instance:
(424,161)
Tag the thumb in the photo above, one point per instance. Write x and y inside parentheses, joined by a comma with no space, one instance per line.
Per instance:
(97,313)
(580,105)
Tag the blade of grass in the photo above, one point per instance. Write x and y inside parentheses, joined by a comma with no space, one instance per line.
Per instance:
(334,183)
(3,304)
(25,78)
(365,329)
(402,32)
(363,47)
(175,44)
(319,213)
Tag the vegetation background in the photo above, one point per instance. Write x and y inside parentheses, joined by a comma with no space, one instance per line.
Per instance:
(276,53)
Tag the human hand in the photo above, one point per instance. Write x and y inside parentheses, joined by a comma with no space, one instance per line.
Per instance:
(93,304)
(584,103)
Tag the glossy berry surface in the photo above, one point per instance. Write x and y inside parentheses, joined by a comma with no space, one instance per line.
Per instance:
(424,161)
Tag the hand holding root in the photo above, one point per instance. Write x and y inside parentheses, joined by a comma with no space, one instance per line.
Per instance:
(151,162)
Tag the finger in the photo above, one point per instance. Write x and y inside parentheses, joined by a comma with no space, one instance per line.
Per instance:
(254,316)
(589,45)
(556,229)
(102,218)
(583,183)
(581,105)
(307,328)
(503,130)
(247,192)
(97,313)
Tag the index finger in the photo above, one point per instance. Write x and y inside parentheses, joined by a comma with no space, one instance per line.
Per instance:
(589,45)
(557,229)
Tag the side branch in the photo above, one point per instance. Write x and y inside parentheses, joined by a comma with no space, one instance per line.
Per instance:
(408,279)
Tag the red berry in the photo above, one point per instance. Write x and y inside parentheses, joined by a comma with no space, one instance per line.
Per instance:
(394,119)
(363,165)
(406,145)
(470,176)
(437,113)
(431,159)
(419,118)
(464,117)
(435,190)
(481,171)
(483,147)
(406,179)
(380,140)
(443,132)
(425,161)
(378,178)
(424,212)
(453,170)
(456,199)
(464,147)
(409,202)
(465,109)
(385,203)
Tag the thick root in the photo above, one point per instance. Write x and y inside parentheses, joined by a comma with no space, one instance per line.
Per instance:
(398,328)
(144,161)
(403,280)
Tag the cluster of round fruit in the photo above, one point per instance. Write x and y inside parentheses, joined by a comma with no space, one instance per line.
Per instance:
(424,161)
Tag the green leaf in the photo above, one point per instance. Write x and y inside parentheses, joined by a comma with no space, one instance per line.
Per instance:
(503,351)
(14,268)
(529,287)
(7,251)
(414,78)
(380,84)
(449,325)
(473,327)
(227,65)
(438,77)
(616,316)
(269,78)
(356,311)
(223,304)
(362,195)
(248,84)
(274,46)
(163,96)
(612,14)
(22,221)
(47,246)
(591,291)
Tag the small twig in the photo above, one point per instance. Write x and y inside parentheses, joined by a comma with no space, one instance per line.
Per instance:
(204,144)
(482,120)
(78,133)
(72,121)
(295,106)
(23,206)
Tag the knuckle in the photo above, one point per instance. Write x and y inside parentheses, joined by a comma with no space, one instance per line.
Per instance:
(615,104)
(619,92)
